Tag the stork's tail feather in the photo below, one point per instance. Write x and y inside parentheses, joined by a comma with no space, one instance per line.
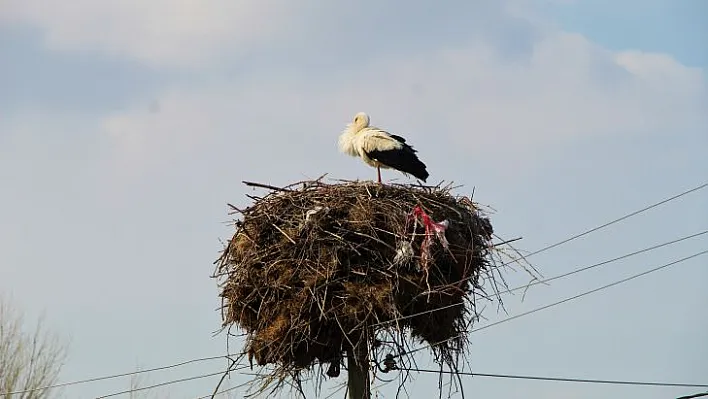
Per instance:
(417,169)
(403,159)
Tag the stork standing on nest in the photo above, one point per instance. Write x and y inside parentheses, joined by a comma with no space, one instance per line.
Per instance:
(380,149)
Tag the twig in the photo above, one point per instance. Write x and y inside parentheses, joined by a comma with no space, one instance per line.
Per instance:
(498,244)
(268,186)
(234,208)
(221,380)
(284,233)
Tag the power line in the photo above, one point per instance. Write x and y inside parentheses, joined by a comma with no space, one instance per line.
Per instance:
(574,237)
(582,269)
(562,379)
(170,382)
(108,377)
(409,352)
(531,254)
(571,238)
(697,395)
(557,379)
(627,216)
(543,378)
(654,205)
(624,280)
(218,393)
(536,282)
(160,384)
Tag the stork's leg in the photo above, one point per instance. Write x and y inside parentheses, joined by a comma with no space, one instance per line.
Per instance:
(378,170)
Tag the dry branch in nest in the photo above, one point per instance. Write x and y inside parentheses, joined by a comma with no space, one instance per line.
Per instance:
(314,269)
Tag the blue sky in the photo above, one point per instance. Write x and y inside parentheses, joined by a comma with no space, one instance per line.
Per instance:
(674,27)
(127,126)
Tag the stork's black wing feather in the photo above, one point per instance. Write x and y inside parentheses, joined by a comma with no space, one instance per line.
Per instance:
(399,138)
(403,159)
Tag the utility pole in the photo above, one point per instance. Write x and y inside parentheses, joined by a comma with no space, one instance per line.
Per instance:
(358,371)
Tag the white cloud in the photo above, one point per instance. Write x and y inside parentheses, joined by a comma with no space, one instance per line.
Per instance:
(158,32)
(662,71)
(468,97)
(166,127)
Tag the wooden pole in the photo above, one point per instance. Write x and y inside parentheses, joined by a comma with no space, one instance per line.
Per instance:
(358,373)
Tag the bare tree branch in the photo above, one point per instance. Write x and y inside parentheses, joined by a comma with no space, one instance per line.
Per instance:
(29,361)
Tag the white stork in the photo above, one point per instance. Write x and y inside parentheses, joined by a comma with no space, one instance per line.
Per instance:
(380,149)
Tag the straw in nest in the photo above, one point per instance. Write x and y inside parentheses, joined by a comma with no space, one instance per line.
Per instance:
(316,269)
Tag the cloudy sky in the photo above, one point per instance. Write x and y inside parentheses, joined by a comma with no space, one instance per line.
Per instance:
(126,127)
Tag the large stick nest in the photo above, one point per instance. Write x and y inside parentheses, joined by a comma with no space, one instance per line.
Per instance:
(316,268)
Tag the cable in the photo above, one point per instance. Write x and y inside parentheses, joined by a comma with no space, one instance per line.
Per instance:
(160,384)
(108,377)
(562,301)
(624,280)
(574,237)
(697,395)
(499,322)
(627,216)
(538,378)
(536,282)
(531,254)
(654,205)
(582,269)
(170,382)
(207,396)
(561,379)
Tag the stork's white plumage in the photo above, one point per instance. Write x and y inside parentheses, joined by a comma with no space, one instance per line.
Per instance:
(380,149)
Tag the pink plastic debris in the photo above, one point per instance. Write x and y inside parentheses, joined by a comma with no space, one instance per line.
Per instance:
(438,228)
(432,229)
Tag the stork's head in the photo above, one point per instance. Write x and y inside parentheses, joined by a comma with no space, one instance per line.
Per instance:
(361,120)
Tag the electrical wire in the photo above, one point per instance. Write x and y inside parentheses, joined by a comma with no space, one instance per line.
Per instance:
(627,216)
(108,377)
(574,237)
(586,232)
(160,385)
(562,379)
(697,395)
(170,382)
(536,282)
(207,396)
(543,378)
(624,280)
